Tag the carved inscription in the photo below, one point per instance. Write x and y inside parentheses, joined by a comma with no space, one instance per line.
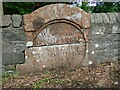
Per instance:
(58,55)
(58,34)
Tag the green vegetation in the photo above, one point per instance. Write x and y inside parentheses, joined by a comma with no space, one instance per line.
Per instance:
(9,73)
(6,76)
(22,7)
(48,79)
(84,7)
(107,7)
(41,82)
(101,7)
(28,7)
(46,72)
(59,81)
(45,80)
(17,8)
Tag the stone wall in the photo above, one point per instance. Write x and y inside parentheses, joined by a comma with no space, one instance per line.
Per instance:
(13,39)
(103,38)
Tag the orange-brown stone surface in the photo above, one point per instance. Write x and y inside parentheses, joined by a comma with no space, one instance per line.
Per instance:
(56,36)
(56,11)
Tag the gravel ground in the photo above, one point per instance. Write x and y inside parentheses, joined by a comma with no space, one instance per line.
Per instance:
(102,76)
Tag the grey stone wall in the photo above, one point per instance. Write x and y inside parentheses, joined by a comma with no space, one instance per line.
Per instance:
(104,37)
(13,39)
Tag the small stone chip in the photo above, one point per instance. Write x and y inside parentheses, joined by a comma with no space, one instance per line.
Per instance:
(37,61)
(90,62)
(33,52)
(26,57)
(29,43)
(116,83)
(93,52)
(44,66)
(96,45)
(86,51)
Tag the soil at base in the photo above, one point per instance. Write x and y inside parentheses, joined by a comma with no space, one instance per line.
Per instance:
(104,75)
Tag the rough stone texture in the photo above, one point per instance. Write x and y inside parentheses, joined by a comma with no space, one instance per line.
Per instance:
(98,29)
(52,57)
(6,20)
(104,36)
(98,18)
(57,11)
(59,33)
(56,34)
(13,44)
(109,18)
(105,18)
(116,28)
(16,20)
(13,34)
(117,16)
(12,58)
(13,52)
(112,17)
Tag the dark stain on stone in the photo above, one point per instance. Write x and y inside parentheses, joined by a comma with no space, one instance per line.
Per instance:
(37,23)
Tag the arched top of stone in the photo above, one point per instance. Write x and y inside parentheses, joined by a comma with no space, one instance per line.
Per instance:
(47,13)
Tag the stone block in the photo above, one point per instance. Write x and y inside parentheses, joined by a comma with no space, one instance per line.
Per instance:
(16,20)
(13,46)
(13,52)
(97,29)
(117,16)
(105,18)
(6,20)
(12,34)
(104,28)
(97,18)
(12,58)
(112,17)
(104,51)
(108,29)
(106,55)
(116,28)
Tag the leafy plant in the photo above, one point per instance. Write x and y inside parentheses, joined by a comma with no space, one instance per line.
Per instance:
(59,81)
(9,73)
(23,7)
(46,72)
(17,7)
(6,76)
(40,83)
(101,7)
(107,7)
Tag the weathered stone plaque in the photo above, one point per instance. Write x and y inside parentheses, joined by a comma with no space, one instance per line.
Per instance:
(56,37)
(57,56)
